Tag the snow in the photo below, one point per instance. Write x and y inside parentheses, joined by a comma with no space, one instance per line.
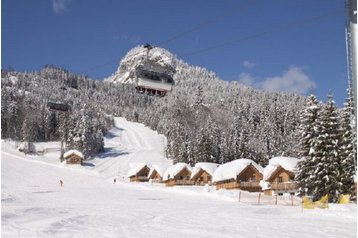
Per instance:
(90,205)
(208,167)
(70,152)
(288,163)
(232,169)
(173,170)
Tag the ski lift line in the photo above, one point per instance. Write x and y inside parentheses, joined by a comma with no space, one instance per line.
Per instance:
(267,32)
(208,22)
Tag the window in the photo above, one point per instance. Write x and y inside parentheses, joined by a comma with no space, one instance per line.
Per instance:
(280,194)
(279,179)
(293,194)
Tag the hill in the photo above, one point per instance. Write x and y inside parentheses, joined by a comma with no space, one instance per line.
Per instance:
(204,118)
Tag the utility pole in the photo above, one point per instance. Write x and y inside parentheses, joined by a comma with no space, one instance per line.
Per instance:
(351,46)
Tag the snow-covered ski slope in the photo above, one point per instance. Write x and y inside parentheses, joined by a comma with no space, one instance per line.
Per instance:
(90,205)
(128,144)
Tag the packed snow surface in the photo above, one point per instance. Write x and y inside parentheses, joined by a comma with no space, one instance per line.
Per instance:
(230,170)
(288,163)
(90,204)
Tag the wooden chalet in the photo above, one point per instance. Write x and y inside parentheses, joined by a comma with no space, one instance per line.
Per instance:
(139,173)
(178,174)
(203,173)
(279,176)
(73,157)
(241,174)
(156,173)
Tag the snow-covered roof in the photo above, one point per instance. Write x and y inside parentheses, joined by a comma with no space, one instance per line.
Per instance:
(232,169)
(160,168)
(208,167)
(287,163)
(173,170)
(76,152)
(135,168)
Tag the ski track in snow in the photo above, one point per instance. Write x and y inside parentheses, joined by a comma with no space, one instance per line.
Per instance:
(90,205)
(134,143)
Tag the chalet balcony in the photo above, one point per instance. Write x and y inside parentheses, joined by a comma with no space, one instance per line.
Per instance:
(251,184)
(284,186)
(184,182)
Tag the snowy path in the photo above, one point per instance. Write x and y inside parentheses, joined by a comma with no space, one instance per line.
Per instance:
(128,143)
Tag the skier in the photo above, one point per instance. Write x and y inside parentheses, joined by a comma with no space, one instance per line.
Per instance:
(61,183)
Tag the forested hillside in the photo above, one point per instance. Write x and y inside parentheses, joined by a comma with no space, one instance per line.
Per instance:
(204,117)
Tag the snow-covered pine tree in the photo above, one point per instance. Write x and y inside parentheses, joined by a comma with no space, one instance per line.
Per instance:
(307,133)
(348,143)
(325,154)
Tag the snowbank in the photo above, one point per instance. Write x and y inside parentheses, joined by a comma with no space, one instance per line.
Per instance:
(232,169)
(288,163)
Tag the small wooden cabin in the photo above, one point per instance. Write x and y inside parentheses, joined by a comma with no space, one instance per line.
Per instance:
(73,157)
(281,182)
(178,174)
(155,176)
(241,174)
(203,173)
(279,176)
(139,173)
(156,173)
(201,177)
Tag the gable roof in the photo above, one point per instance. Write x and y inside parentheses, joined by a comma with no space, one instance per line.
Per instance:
(232,169)
(287,163)
(159,168)
(135,168)
(70,152)
(173,170)
(206,166)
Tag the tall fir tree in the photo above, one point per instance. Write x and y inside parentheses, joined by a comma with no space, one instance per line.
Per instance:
(325,154)
(308,131)
(347,149)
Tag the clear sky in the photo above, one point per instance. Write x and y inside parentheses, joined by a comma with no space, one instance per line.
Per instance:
(280,45)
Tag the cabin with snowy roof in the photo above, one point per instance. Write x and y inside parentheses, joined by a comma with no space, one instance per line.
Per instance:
(242,174)
(279,176)
(156,173)
(139,173)
(73,157)
(178,174)
(203,173)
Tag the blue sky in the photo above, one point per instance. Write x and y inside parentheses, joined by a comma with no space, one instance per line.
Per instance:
(274,49)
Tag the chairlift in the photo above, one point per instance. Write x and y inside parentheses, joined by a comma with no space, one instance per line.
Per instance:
(58,107)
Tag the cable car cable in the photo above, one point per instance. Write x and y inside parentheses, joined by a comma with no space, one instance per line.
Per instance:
(286,27)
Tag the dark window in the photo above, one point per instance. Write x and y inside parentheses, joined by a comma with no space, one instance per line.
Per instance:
(280,194)
(293,194)
(279,179)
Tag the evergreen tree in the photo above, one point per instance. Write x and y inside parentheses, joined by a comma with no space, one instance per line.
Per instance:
(348,145)
(325,154)
(307,133)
